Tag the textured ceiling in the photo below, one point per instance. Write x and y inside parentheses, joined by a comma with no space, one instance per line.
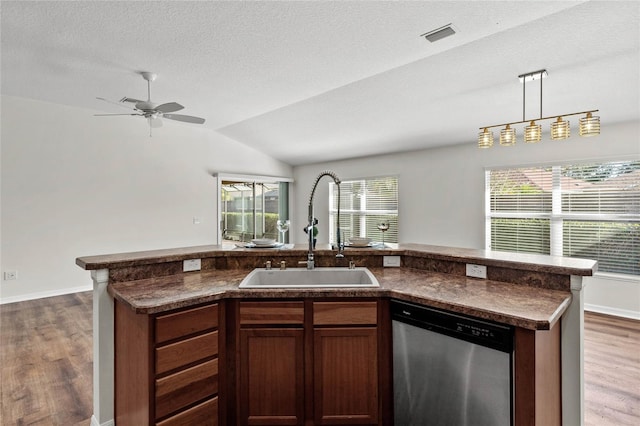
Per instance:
(316,80)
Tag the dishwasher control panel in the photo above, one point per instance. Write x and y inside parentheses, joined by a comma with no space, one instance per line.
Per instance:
(474,330)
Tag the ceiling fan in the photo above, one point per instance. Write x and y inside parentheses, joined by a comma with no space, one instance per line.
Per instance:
(152,111)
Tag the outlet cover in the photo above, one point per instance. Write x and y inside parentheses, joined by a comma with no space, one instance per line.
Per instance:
(10,275)
(391,261)
(191,265)
(476,271)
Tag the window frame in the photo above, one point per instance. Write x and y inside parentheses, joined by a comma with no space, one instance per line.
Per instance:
(284,208)
(366,212)
(556,217)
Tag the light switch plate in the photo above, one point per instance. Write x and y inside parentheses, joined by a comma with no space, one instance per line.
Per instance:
(476,271)
(391,261)
(191,265)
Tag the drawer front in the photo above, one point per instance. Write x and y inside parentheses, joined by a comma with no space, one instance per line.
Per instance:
(186,387)
(186,351)
(205,414)
(179,324)
(345,313)
(269,313)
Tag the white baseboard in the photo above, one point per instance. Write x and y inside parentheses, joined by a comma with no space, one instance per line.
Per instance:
(94,422)
(43,294)
(625,313)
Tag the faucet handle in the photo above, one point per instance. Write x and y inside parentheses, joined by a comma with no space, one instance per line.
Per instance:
(310,263)
(283,265)
(268,265)
(352,264)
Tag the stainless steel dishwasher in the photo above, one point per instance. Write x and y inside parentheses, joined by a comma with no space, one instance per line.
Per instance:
(449,369)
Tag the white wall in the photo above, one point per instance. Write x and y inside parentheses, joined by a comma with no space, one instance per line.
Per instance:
(75,185)
(442,192)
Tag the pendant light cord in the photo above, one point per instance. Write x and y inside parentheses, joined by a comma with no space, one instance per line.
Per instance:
(541,94)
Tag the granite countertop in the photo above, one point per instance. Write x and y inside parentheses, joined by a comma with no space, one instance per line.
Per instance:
(528,262)
(521,306)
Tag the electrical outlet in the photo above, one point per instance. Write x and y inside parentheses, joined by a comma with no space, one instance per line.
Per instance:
(10,275)
(476,271)
(391,261)
(191,265)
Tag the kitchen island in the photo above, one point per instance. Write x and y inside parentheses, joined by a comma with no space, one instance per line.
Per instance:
(536,294)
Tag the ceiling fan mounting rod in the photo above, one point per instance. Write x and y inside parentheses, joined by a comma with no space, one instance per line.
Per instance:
(149,76)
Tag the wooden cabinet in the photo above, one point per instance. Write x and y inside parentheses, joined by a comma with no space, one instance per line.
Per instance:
(345,349)
(271,363)
(167,367)
(308,363)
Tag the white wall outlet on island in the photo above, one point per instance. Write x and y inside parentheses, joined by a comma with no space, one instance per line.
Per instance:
(191,265)
(476,271)
(391,261)
(10,275)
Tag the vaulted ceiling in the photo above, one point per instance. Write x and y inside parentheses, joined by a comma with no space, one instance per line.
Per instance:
(308,81)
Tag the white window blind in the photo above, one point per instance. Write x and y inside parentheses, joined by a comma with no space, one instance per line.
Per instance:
(363,204)
(583,210)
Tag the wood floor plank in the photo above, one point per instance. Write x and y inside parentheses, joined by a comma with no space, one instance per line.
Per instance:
(46,365)
(612,371)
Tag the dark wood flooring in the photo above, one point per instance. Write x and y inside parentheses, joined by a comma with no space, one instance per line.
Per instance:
(46,365)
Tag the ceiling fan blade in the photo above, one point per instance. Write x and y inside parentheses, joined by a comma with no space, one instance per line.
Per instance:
(185,118)
(169,107)
(131,100)
(102,115)
(114,103)
(155,122)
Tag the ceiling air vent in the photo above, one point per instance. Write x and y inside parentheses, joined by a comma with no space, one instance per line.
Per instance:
(439,34)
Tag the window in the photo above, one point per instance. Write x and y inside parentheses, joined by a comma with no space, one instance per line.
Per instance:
(249,207)
(583,210)
(363,204)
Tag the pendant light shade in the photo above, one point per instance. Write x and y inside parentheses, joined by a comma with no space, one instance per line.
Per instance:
(508,136)
(589,125)
(485,139)
(533,132)
(560,130)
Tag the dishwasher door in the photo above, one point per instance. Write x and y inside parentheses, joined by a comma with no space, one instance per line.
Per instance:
(445,381)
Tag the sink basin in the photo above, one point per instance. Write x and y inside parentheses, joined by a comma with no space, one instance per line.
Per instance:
(304,278)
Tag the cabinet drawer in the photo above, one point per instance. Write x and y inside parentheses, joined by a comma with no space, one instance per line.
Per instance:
(176,325)
(205,414)
(345,313)
(186,351)
(186,387)
(271,313)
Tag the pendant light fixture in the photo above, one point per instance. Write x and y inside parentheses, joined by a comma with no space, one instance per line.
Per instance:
(533,132)
(508,136)
(589,125)
(560,129)
(485,139)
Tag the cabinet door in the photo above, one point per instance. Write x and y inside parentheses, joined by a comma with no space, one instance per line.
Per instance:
(345,376)
(271,376)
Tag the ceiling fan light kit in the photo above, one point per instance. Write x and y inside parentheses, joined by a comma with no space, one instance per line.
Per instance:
(560,129)
(152,111)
